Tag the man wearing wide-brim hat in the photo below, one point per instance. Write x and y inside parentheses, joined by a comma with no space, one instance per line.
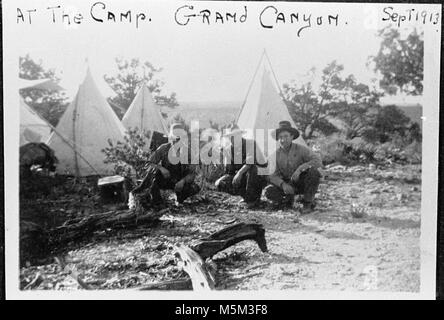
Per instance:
(293,169)
(167,170)
(242,158)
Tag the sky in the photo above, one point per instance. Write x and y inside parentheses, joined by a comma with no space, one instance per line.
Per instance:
(200,62)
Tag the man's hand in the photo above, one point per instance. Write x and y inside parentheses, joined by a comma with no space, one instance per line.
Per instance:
(237,179)
(165,173)
(287,188)
(179,186)
(303,167)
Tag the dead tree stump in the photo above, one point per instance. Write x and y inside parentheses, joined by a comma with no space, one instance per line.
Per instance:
(113,189)
(192,259)
(192,263)
(228,237)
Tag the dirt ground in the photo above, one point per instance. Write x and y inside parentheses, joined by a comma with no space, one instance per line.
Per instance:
(329,249)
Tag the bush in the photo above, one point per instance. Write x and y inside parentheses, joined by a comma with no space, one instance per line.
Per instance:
(348,152)
(330,150)
(343,151)
(130,156)
(400,153)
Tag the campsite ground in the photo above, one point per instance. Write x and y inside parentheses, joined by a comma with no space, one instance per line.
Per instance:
(327,250)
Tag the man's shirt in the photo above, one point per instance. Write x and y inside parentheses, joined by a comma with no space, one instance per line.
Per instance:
(283,163)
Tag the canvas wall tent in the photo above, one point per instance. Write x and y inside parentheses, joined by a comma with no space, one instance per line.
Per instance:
(144,114)
(83,131)
(32,127)
(263,107)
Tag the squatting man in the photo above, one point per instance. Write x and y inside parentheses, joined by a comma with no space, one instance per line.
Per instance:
(293,169)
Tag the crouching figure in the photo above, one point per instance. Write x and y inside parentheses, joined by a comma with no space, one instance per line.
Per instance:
(166,169)
(241,160)
(293,170)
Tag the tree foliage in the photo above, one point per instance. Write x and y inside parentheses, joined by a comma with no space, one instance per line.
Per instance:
(128,78)
(337,97)
(400,60)
(49,104)
(390,121)
(358,108)
(130,156)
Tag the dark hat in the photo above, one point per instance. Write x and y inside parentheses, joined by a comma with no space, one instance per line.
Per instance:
(285,126)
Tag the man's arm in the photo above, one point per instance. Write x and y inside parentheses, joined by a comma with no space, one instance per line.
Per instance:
(157,156)
(310,158)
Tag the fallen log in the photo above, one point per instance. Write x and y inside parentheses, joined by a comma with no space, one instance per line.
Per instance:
(78,228)
(228,237)
(193,265)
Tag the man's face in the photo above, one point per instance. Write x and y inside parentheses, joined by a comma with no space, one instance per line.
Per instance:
(285,138)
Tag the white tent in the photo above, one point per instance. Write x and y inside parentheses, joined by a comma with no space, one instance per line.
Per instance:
(263,107)
(32,127)
(41,84)
(83,131)
(144,114)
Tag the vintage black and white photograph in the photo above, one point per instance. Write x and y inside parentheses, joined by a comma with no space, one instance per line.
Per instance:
(250,149)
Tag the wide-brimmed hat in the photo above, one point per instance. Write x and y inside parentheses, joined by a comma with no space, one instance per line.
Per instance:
(285,126)
(233,130)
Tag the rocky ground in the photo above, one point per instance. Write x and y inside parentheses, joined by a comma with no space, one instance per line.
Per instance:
(364,235)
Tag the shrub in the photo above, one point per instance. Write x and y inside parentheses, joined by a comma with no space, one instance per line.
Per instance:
(331,149)
(348,152)
(393,151)
(338,149)
(130,156)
